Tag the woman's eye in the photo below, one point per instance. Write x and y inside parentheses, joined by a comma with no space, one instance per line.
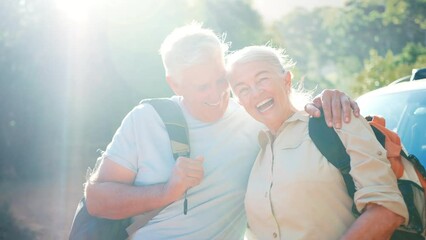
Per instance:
(262,80)
(243,91)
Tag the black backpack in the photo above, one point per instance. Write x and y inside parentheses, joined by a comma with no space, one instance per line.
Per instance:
(331,147)
(88,227)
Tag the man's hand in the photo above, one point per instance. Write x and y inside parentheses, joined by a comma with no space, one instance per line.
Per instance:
(333,102)
(186,173)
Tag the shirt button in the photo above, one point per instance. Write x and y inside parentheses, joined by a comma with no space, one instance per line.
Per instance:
(275,235)
(379,153)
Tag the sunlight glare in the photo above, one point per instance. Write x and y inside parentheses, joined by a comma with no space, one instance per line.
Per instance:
(76,10)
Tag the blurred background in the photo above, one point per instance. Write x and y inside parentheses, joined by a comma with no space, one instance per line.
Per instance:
(70,70)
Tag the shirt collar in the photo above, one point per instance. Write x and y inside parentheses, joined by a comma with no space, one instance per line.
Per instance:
(266,136)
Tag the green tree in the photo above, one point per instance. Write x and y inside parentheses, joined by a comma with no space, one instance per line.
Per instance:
(380,71)
(330,44)
(237,19)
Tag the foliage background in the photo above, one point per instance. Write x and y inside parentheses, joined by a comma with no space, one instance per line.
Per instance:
(68,77)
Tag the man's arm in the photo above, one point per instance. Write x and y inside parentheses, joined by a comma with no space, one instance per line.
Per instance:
(376,222)
(333,102)
(110,193)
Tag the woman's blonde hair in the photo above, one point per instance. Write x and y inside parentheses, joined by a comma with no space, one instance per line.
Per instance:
(278,59)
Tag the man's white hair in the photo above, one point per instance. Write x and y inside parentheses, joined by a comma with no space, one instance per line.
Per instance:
(189,45)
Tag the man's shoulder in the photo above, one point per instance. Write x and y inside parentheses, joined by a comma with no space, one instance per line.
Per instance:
(145,107)
(143,112)
(142,109)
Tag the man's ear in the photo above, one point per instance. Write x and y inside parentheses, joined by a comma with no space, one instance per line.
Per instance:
(174,85)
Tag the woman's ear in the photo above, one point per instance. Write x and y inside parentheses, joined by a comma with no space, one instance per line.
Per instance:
(287,80)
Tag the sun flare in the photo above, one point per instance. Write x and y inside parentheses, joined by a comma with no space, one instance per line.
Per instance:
(76,10)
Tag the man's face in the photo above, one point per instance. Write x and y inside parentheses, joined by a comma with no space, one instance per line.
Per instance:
(263,92)
(204,89)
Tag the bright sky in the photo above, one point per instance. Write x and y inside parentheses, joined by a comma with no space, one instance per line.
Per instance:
(274,9)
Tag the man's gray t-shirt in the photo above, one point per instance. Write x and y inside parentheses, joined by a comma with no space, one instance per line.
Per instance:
(216,206)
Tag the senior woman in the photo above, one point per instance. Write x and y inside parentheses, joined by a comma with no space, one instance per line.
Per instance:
(293,191)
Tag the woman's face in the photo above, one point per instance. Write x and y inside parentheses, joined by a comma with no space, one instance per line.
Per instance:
(263,91)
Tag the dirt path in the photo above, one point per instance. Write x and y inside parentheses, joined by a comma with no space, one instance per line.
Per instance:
(45,207)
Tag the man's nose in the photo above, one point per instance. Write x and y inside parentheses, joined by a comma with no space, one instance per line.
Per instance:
(217,93)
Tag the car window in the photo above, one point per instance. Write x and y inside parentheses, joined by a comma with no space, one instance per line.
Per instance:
(389,106)
(405,113)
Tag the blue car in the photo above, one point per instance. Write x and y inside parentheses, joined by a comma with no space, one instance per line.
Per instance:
(403,104)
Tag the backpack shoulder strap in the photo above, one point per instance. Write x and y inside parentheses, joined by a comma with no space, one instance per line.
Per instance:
(175,123)
(379,135)
(177,128)
(331,147)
